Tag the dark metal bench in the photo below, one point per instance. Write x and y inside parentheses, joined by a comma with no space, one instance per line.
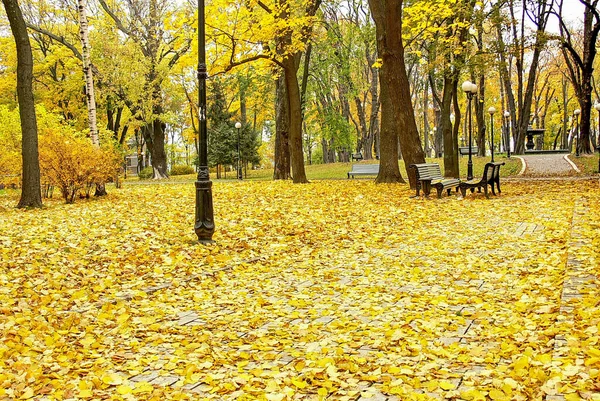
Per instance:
(364,169)
(357,156)
(491,177)
(430,175)
(464,150)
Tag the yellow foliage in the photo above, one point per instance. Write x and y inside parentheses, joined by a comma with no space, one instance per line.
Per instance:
(70,162)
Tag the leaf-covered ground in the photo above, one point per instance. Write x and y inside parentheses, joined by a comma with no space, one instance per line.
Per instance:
(338,290)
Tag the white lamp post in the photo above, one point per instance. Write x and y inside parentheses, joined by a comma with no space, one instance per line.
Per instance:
(597,107)
(492,110)
(507,128)
(238,125)
(577,112)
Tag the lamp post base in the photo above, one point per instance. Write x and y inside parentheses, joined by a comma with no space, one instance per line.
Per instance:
(470,169)
(204,225)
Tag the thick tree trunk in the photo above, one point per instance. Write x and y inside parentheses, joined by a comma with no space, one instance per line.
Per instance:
(397,113)
(155,139)
(451,169)
(372,140)
(581,67)
(31,192)
(281,170)
(295,118)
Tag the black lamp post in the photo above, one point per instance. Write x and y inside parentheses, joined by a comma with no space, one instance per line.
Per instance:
(238,126)
(470,89)
(507,127)
(597,107)
(204,225)
(492,110)
(576,113)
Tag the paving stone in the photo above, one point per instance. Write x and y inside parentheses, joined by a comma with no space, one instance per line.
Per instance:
(197,322)
(449,340)
(324,319)
(144,377)
(187,318)
(284,358)
(198,388)
(374,395)
(165,380)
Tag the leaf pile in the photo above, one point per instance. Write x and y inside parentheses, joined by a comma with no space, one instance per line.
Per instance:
(333,290)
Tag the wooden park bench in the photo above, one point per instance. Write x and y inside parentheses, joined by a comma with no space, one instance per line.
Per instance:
(357,156)
(491,177)
(430,175)
(464,150)
(364,169)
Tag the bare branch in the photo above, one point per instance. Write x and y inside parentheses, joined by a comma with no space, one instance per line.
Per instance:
(59,39)
(265,7)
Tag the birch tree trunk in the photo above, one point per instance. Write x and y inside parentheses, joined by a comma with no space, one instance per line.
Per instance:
(87,70)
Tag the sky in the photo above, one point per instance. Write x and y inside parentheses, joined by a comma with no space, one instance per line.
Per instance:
(572,12)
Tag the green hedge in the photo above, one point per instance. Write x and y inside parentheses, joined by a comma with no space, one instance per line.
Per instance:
(182,169)
(145,173)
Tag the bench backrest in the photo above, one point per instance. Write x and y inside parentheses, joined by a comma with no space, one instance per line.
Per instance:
(464,150)
(428,171)
(491,171)
(365,168)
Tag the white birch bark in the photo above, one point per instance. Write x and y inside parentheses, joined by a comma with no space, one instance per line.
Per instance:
(87,70)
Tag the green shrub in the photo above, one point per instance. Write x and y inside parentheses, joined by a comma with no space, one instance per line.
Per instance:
(182,169)
(146,173)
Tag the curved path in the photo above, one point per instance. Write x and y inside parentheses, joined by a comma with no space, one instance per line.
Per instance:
(547,165)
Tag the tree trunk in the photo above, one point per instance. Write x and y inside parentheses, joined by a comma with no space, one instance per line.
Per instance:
(31,191)
(451,167)
(581,68)
(281,170)
(90,98)
(295,121)
(397,114)
(87,70)
(154,136)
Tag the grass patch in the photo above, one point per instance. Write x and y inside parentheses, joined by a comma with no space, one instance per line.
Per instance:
(338,171)
(588,164)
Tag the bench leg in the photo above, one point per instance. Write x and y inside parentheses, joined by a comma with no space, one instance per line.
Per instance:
(485,190)
(498,185)
(426,189)
(439,192)
(463,191)
(493,189)
(449,190)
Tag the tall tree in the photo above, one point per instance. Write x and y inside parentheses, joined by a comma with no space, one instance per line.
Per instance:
(31,193)
(580,64)
(397,113)
(520,104)
(145,26)
(87,71)
(285,29)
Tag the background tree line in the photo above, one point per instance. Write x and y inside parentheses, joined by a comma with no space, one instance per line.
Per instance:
(315,81)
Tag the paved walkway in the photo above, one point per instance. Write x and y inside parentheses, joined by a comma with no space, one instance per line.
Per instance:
(547,165)
(466,327)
